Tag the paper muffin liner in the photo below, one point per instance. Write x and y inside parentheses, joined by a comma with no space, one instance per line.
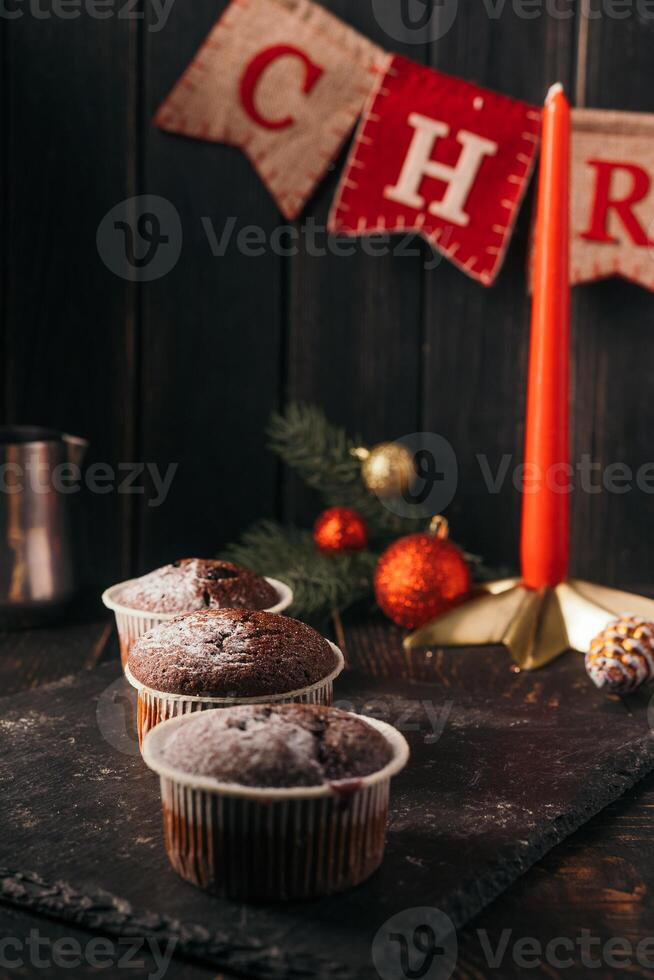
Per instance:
(132,623)
(154,707)
(254,844)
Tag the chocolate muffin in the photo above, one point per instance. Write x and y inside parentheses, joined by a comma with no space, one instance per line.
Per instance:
(198,583)
(231,653)
(277,746)
(275,802)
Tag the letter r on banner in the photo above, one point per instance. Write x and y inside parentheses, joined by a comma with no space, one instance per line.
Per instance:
(459,178)
(605,201)
(612,208)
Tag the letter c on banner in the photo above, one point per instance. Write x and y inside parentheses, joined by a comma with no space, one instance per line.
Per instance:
(256,68)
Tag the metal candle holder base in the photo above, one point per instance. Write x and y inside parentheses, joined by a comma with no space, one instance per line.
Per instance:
(537,625)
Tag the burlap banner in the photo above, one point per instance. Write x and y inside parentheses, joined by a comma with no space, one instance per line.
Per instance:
(612,227)
(283,80)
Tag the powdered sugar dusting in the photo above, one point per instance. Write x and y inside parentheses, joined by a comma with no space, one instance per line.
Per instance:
(292,745)
(231,653)
(197,583)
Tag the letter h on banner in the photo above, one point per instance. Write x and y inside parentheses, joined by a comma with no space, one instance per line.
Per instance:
(443,157)
(458,179)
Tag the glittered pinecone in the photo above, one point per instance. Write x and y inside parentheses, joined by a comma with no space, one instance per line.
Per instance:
(621,658)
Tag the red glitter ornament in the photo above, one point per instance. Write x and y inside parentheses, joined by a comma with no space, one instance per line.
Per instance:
(340,529)
(421,576)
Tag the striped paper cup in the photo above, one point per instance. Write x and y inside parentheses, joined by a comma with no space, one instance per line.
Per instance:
(154,707)
(254,844)
(132,623)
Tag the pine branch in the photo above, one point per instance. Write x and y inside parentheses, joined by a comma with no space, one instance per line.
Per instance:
(321,583)
(321,454)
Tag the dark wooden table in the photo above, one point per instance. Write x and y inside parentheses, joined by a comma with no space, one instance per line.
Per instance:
(598,884)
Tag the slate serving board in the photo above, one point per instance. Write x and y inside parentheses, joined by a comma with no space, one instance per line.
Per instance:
(503,767)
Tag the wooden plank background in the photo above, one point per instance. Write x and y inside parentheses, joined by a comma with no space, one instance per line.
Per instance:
(186,369)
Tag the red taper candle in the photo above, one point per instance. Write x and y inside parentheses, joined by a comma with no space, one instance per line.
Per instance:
(545,539)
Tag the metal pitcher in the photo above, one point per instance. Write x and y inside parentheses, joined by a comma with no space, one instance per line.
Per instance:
(36,561)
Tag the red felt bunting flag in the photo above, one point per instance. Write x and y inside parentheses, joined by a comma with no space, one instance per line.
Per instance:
(612,207)
(285,81)
(443,157)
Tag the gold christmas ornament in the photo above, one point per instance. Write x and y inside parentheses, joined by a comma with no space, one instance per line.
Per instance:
(386,469)
(621,657)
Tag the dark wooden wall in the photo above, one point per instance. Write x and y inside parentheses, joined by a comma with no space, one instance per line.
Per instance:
(187,369)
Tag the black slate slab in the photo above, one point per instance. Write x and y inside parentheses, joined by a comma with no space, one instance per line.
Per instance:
(500,772)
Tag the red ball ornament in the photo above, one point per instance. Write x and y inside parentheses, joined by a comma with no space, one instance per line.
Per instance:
(340,529)
(421,576)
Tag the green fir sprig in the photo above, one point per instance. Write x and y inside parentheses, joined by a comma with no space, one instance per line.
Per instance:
(322,456)
(321,583)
